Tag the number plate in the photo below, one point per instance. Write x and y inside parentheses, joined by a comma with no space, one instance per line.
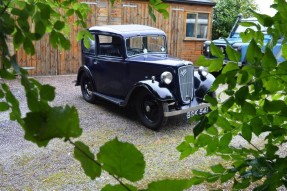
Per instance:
(197,112)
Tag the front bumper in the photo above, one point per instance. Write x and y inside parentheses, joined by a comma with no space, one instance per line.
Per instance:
(186,109)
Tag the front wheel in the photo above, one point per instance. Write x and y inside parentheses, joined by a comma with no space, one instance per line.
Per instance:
(87,88)
(150,110)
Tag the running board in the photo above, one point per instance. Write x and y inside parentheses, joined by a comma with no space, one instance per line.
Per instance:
(119,102)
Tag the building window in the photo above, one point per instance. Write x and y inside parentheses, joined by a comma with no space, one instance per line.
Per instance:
(196,26)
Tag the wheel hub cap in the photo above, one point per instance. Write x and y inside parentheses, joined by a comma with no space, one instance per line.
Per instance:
(147,108)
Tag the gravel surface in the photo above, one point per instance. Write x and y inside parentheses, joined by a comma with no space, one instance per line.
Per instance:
(24,166)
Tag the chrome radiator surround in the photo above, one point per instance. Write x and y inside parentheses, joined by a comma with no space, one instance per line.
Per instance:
(186,78)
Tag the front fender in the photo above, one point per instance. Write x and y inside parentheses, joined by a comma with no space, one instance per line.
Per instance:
(83,69)
(161,93)
(202,84)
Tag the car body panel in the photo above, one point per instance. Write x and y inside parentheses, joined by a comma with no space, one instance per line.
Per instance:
(119,78)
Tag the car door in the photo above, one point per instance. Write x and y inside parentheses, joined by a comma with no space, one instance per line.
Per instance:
(110,70)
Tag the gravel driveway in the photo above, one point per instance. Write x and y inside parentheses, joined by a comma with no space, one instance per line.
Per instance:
(24,166)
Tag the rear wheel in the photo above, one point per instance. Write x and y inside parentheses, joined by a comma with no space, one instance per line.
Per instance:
(87,88)
(150,110)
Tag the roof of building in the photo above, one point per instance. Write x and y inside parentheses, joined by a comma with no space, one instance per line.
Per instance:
(198,2)
(128,30)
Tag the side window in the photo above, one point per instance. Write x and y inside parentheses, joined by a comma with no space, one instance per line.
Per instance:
(109,46)
(197,26)
(91,49)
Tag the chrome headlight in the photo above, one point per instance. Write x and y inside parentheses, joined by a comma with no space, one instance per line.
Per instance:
(203,71)
(166,77)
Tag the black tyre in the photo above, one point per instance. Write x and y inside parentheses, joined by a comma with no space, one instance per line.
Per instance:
(150,110)
(87,88)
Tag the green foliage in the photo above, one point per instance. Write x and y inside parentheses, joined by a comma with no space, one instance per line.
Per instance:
(167,185)
(225,14)
(122,160)
(254,105)
(159,6)
(83,154)
(43,122)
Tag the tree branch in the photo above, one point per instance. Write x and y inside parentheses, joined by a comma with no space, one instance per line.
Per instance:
(99,164)
(5,8)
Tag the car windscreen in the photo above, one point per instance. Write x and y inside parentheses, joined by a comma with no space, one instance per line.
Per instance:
(145,44)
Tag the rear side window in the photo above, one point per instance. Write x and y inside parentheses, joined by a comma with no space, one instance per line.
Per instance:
(110,46)
(91,49)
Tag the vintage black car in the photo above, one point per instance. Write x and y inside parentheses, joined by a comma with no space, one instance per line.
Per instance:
(129,65)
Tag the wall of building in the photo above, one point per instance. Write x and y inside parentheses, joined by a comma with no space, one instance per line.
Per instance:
(48,61)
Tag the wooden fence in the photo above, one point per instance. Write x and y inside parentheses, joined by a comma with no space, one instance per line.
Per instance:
(49,61)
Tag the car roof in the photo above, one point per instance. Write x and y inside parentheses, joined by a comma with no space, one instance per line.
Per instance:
(128,30)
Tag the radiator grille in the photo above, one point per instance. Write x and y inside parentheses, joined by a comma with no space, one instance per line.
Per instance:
(185,75)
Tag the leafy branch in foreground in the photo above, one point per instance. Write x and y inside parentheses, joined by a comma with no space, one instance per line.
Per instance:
(254,104)
(43,122)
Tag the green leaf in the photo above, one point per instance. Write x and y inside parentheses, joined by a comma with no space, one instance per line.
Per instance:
(28,46)
(203,140)
(87,159)
(225,140)
(151,14)
(195,181)
(284,51)
(14,104)
(241,95)
(200,173)
(212,148)
(241,185)
(226,177)
(167,185)
(64,42)
(45,10)
(269,62)
(18,39)
(122,159)
(224,124)
(212,131)
(273,85)
(201,61)
(212,117)
(54,39)
(200,126)
(218,168)
(4,106)
(256,126)
(254,53)
(215,65)
(248,109)
(233,55)
(40,29)
(227,104)
(273,106)
(271,150)
(246,132)
(216,51)
(230,67)
(47,92)
(70,12)
(119,188)
(185,149)
(211,100)
(59,25)
(42,126)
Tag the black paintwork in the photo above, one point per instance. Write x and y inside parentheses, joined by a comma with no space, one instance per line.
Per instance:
(118,79)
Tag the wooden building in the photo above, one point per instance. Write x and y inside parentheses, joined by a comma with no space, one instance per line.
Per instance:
(187,27)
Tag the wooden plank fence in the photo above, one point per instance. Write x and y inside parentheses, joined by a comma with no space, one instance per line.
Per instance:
(49,61)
